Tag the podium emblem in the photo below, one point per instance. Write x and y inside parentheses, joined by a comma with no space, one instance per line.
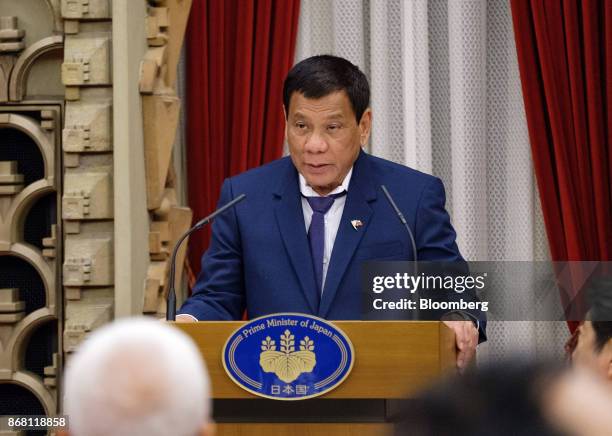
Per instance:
(288,356)
(287,363)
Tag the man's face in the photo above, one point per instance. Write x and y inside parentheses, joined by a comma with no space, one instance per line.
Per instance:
(586,354)
(324,138)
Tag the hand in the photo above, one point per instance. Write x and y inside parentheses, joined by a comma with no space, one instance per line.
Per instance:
(466,336)
(185,318)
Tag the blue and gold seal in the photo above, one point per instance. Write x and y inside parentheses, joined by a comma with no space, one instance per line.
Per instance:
(288,356)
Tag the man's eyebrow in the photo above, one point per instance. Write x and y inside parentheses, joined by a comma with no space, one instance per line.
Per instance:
(332,116)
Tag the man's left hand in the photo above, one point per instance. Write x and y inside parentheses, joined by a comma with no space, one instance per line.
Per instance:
(466,336)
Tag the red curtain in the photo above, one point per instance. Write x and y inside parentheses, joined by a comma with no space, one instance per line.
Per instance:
(238,53)
(564,52)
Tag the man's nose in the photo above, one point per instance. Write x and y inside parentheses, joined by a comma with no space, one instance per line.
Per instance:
(315,144)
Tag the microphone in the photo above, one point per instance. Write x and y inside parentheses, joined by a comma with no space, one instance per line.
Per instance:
(400,215)
(171,301)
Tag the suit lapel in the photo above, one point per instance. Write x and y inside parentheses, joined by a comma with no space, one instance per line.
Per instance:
(360,193)
(290,219)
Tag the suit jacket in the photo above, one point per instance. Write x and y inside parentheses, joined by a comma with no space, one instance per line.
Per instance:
(259,258)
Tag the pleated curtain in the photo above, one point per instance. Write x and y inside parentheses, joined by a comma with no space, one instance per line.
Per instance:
(447,100)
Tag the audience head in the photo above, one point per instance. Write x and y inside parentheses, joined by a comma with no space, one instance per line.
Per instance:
(594,346)
(501,399)
(508,399)
(137,377)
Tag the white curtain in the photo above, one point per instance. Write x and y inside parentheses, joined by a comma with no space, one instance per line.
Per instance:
(446,99)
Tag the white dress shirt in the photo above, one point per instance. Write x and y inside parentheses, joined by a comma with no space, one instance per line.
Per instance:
(332,217)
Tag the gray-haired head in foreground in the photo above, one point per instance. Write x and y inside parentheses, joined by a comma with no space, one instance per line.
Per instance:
(137,377)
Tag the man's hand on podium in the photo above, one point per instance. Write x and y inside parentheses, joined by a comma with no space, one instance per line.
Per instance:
(466,336)
(185,318)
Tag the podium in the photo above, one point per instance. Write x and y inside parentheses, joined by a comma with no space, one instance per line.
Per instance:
(393,360)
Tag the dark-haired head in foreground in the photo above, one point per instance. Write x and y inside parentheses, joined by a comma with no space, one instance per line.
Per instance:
(508,399)
(501,400)
(594,348)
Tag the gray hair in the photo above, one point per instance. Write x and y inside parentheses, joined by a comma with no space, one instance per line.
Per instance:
(137,377)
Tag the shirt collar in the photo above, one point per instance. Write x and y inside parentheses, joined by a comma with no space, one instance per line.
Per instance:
(307,191)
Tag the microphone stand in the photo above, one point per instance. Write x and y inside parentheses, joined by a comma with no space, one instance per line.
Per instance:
(171,301)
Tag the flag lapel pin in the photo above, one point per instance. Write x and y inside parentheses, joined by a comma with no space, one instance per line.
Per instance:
(356,224)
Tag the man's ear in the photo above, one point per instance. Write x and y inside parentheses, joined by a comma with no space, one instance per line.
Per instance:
(62,433)
(365,127)
(286,122)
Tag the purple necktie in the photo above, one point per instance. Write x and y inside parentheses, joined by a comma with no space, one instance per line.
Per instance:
(316,234)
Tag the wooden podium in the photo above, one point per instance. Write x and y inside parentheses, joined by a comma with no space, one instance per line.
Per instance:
(393,359)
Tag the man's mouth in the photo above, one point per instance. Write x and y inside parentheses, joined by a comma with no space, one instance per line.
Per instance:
(316,168)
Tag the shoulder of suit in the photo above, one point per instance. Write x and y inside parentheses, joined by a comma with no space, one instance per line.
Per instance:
(385,171)
(388,170)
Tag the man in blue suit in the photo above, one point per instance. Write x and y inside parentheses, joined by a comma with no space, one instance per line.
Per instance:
(298,241)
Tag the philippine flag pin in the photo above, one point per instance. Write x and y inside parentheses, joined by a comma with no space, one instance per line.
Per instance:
(356,224)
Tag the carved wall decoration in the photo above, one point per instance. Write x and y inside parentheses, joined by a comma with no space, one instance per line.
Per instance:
(86,9)
(81,258)
(30,297)
(161,117)
(87,144)
(87,195)
(57,211)
(165,30)
(19,75)
(30,227)
(11,43)
(88,127)
(93,309)
(87,57)
(55,9)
